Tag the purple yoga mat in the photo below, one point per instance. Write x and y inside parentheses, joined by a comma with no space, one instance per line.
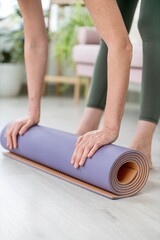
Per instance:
(113,168)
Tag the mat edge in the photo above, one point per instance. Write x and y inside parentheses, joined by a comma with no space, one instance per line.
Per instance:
(62,176)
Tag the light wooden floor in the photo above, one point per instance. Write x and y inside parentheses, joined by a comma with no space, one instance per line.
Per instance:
(35,205)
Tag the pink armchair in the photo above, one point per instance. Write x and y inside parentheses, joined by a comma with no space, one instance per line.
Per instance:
(85,54)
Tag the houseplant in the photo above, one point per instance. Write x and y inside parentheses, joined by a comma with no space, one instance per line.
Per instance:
(11,55)
(66,37)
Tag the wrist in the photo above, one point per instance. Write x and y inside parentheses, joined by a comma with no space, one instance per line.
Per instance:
(34,113)
(112,121)
(114,132)
(34,106)
(113,126)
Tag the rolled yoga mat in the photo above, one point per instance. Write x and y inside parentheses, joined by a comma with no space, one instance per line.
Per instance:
(113,171)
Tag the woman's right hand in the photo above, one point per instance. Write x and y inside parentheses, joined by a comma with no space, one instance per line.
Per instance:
(19,127)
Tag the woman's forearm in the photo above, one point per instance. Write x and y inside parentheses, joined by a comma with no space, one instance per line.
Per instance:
(35,58)
(35,61)
(118,78)
(35,51)
(109,23)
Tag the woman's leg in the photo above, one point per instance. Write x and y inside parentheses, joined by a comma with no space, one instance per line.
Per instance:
(142,139)
(150,99)
(97,97)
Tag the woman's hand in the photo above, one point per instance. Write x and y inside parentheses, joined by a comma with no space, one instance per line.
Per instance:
(89,143)
(19,127)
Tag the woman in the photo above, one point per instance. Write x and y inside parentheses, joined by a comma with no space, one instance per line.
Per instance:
(148,24)
(109,23)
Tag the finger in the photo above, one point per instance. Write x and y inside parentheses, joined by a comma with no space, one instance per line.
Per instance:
(14,136)
(9,134)
(15,132)
(94,150)
(84,141)
(76,155)
(78,148)
(83,150)
(79,140)
(8,130)
(25,127)
(9,139)
(84,156)
(73,157)
(77,158)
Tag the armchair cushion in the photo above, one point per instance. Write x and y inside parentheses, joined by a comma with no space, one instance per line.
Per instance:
(85,53)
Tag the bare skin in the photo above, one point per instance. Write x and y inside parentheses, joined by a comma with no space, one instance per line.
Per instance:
(109,23)
(35,60)
(142,139)
(89,121)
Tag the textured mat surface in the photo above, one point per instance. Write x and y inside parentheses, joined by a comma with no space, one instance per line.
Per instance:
(113,171)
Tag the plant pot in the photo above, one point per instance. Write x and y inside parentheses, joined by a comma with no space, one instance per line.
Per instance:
(11,76)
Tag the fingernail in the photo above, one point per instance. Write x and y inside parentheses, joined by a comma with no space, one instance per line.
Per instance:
(76,166)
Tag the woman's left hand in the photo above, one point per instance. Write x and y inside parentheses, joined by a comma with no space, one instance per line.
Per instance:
(89,143)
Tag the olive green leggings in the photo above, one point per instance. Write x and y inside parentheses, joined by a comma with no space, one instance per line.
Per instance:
(149,28)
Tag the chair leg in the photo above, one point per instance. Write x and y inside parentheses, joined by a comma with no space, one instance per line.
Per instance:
(58,89)
(87,85)
(44,89)
(77,90)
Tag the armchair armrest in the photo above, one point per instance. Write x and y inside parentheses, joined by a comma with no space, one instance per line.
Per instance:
(88,35)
